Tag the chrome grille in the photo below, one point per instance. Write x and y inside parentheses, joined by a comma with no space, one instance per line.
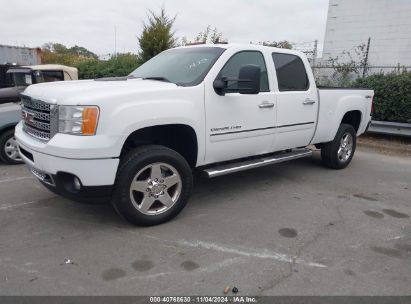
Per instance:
(39,118)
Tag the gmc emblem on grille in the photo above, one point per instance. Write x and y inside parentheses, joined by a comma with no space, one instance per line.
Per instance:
(28,117)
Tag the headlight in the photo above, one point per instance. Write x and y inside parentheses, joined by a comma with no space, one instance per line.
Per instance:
(78,120)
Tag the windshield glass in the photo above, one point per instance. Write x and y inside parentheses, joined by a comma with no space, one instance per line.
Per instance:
(184,66)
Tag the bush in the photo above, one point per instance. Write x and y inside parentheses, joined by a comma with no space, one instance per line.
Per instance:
(120,65)
(392,95)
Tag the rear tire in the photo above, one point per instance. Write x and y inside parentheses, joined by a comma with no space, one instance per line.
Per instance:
(153,185)
(9,152)
(338,153)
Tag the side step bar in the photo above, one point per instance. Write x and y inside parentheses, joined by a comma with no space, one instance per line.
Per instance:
(257,162)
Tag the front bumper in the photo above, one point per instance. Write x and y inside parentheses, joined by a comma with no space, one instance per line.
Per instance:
(63,184)
(95,176)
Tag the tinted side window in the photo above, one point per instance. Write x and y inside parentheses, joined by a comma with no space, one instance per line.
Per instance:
(233,66)
(291,72)
(48,76)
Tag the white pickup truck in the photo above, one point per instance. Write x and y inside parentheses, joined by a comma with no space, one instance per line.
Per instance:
(215,108)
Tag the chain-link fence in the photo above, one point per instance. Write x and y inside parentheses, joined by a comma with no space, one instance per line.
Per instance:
(344,75)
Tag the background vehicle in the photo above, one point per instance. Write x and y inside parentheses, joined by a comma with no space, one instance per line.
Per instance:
(10,115)
(217,108)
(19,78)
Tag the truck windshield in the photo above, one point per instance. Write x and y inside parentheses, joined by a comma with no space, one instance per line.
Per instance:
(183,66)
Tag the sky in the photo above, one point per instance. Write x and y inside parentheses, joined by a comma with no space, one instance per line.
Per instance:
(92,23)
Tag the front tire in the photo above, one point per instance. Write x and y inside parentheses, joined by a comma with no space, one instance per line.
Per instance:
(338,153)
(153,185)
(9,152)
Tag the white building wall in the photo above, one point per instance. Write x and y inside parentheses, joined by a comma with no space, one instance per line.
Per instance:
(387,22)
(19,55)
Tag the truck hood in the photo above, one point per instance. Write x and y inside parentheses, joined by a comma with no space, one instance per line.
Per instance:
(88,92)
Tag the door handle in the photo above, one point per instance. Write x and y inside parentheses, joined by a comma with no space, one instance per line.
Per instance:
(308,101)
(265,105)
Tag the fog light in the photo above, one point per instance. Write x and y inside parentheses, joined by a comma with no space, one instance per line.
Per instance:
(77,183)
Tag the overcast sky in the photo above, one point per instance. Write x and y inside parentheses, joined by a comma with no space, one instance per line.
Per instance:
(91,23)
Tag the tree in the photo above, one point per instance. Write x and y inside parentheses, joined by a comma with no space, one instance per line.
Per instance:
(157,35)
(209,35)
(278,44)
(119,65)
(347,66)
(82,52)
(60,54)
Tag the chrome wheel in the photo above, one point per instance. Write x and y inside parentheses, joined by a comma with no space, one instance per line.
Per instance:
(155,188)
(11,149)
(346,146)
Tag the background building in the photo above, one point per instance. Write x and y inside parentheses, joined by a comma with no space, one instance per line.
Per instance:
(15,55)
(387,22)
(19,55)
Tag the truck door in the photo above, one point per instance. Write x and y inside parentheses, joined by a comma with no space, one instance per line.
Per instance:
(240,125)
(297,102)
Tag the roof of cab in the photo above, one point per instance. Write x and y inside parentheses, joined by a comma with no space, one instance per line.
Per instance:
(45,67)
(244,46)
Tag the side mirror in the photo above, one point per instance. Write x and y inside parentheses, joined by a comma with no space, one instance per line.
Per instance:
(249,79)
(219,85)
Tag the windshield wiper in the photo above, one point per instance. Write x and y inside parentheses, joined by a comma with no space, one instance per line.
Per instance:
(159,78)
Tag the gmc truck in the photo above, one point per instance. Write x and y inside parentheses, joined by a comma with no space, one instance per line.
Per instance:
(215,108)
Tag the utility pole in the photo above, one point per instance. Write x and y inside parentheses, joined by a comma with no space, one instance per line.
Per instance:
(315,51)
(364,71)
(115,41)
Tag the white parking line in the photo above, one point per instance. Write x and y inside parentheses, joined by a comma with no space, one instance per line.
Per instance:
(15,179)
(6,207)
(262,254)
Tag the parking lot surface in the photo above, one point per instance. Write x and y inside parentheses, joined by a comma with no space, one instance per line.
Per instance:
(294,228)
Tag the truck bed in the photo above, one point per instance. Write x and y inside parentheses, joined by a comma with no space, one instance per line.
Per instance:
(334,103)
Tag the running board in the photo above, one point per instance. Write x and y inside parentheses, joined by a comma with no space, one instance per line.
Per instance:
(255,163)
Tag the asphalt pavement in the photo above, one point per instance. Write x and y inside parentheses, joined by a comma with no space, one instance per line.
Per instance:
(294,228)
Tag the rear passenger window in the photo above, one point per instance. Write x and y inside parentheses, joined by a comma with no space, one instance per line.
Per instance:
(291,74)
(235,63)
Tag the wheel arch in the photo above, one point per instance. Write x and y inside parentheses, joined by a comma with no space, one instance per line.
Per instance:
(352,118)
(181,138)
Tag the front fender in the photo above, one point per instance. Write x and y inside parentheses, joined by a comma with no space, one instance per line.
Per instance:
(129,117)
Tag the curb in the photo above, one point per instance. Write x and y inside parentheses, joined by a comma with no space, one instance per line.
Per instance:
(385,145)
